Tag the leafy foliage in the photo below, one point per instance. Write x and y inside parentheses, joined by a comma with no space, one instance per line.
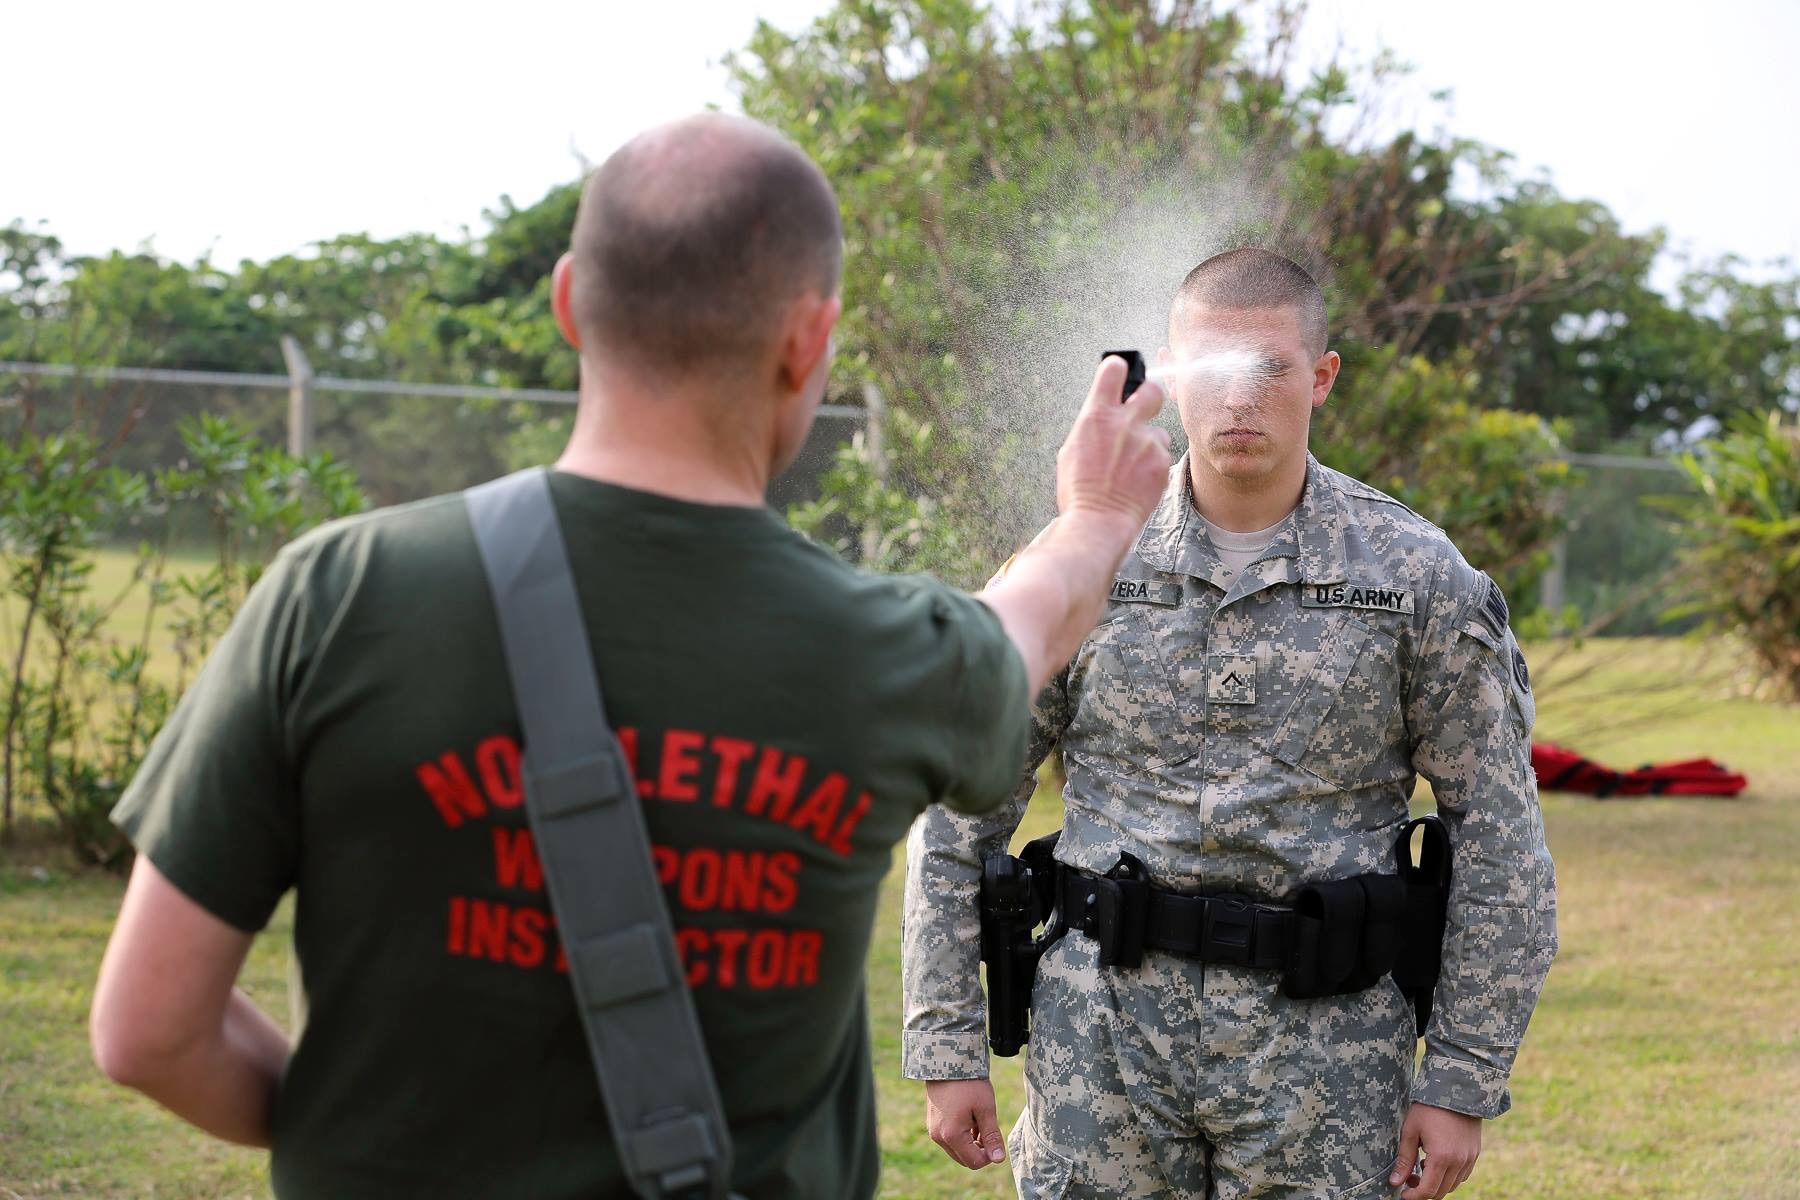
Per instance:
(78,704)
(862,516)
(1741,539)
(1489,477)
(987,158)
(986,164)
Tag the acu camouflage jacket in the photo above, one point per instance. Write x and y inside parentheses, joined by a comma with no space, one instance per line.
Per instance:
(1258,733)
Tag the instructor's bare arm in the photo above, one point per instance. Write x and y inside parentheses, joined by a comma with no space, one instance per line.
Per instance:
(1110,473)
(168,1021)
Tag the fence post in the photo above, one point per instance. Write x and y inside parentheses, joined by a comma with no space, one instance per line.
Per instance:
(1552,588)
(874,414)
(300,398)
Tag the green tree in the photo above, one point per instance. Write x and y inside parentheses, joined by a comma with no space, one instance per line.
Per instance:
(1741,539)
(360,307)
(497,321)
(1489,477)
(79,704)
(1030,188)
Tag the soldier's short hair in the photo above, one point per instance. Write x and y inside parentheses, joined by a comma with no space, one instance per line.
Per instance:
(692,239)
(1252,277)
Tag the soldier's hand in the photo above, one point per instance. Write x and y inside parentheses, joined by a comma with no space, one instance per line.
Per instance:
(1451,1142)
(960,1117)
(1114,463)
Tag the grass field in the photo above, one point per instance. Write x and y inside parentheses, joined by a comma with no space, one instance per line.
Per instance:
(1664,1061)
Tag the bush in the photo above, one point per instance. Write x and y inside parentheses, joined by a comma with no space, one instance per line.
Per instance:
(79,703)
(1741,540)
(868,518)
(1490,477)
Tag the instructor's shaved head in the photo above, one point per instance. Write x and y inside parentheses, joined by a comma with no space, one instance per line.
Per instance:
(693,238)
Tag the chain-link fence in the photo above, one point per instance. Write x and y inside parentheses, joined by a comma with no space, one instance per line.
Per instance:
(1617,563)
(409,440)
(403,440)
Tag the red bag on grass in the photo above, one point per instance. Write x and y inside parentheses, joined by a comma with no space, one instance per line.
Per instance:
(1560,770)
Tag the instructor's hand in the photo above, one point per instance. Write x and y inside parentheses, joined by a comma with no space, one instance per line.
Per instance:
(1114,463)
(1451,1142)
(960,1117)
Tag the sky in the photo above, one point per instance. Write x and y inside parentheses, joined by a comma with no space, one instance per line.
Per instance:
(249,130)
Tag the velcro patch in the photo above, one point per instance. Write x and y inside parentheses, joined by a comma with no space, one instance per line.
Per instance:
(1231,679)
(1493,608)
(1146,591)
(1356,595)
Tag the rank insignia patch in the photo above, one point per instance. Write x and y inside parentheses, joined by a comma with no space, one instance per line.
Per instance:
(1231,679)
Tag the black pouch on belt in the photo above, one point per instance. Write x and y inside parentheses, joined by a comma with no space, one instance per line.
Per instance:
(1346,935)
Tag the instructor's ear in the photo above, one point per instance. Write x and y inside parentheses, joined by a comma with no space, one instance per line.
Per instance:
(561,279)
(806,339)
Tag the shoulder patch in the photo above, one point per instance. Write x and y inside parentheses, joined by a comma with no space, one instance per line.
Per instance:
(1493,608)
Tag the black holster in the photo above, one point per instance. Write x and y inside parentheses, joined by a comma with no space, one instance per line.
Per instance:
(1017,895)
(1427,879)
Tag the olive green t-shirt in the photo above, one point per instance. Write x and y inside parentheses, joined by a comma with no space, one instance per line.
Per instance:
(353,737)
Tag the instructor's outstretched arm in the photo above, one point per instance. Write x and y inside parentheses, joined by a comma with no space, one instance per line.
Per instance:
(1110,473)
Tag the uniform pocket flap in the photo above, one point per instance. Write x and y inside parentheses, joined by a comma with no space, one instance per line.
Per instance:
(1320,691)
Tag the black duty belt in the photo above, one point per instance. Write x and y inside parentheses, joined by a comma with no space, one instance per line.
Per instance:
(1337,937)
(1229,930)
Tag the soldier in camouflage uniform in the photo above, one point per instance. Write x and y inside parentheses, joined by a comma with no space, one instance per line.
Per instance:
(1249,717)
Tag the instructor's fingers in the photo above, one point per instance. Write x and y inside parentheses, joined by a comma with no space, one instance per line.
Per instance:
(1146,402)
(1109,382)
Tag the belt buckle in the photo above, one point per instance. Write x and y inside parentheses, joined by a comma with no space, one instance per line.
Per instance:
(1226,930)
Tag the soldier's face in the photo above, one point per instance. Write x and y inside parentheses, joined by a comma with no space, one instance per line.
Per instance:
(1245,385)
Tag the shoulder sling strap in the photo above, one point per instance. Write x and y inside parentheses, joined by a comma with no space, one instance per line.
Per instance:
(661,1099)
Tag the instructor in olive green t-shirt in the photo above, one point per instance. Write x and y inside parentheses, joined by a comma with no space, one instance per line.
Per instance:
(786,716)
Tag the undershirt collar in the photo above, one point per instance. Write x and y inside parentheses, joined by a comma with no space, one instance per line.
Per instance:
(1239,550)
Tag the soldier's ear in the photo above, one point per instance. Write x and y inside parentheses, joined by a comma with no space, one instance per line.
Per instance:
(1325,373)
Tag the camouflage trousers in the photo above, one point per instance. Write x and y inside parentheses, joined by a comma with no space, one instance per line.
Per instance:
(1203,1083)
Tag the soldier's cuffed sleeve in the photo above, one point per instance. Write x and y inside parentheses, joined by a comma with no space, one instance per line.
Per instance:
(944,1033)
(1470,713)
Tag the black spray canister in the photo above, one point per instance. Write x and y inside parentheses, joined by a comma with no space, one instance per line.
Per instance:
(1134,370)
